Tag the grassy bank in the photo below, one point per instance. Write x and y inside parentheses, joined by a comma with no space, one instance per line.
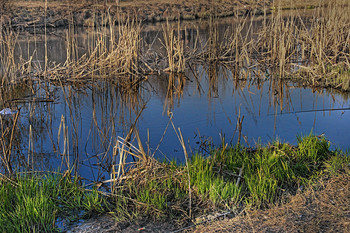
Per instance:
(231,178)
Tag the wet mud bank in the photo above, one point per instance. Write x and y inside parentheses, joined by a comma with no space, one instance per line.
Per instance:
(36,15)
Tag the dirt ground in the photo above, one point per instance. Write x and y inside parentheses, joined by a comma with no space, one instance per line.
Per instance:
(30,14)
(323,208)
(24,14)
(106,224)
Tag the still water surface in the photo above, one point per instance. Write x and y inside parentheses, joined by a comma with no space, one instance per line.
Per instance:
(204,106)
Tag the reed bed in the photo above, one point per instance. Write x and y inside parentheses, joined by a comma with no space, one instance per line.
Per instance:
(231,48)
(109,57)
(175,46)
(278,42)
(312,50)
(315,52)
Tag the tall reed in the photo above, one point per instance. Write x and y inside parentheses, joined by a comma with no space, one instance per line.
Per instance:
(174,46)
(278,42)
(112,56)
(8,40)
(8,131)
(315,49)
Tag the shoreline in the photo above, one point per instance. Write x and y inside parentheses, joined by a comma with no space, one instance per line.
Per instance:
(25,15)
(230,183)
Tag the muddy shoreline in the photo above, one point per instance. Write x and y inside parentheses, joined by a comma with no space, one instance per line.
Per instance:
(36,15)
(26,15)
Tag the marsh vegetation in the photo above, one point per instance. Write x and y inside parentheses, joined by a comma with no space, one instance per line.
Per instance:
(94,131)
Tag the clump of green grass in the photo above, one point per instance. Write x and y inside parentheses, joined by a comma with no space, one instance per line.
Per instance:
(32,203)
(266,171)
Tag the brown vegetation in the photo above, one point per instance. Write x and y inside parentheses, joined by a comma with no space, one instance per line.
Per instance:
(29,13)
(322,208)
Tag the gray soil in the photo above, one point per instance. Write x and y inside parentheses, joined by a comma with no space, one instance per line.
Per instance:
(106,224)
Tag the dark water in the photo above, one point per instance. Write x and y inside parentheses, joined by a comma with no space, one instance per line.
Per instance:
(204,106)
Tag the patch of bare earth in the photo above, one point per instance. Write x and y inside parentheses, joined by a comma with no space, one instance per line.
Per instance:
(29,14)
(323,208)
(286,4)
(107,224)
(26,14)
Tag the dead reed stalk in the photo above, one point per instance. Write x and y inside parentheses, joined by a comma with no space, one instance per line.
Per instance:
(114,56)
(7,138)
(316,49)
(174,46)
(8,40)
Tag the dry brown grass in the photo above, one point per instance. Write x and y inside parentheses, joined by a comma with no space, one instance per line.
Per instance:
(174,45)
(287,4)
(321,208)
(112,56)
(313,49)
(5,7)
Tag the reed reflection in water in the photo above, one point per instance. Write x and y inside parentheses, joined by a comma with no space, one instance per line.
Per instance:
(79,126)
(76,124)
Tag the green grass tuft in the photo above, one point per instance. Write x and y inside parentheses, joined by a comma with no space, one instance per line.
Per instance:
(32,203)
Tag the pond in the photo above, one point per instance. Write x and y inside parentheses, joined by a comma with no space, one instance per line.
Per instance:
(77,125)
